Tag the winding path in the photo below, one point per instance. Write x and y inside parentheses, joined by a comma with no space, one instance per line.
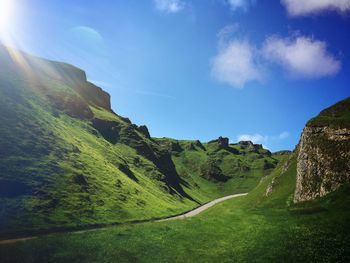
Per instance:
(191,213)
(202,208)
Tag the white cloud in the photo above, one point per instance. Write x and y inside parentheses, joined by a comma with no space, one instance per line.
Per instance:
(265,140)
(227,31)
(306,7)
(239,62)
(236,64)
(255,138)
(283,135)
(169,6)
(301,56)
(240,4)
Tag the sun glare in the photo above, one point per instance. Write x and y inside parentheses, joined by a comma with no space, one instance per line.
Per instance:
(6,16)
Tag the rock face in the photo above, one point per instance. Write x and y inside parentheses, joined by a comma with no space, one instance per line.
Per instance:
(223,142)
(144,130)
(250,146)
(323,162)
(211,171)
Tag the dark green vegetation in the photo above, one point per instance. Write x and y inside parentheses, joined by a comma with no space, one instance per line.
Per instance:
(337,115)
(68,161)
(254,228)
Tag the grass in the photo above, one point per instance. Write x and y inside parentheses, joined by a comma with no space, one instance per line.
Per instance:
(58,172)
(254,228)
(336,116)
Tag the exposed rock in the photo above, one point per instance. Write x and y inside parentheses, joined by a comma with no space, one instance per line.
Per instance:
(124,168)
(251,147)
(270,187)
(323,161)
(127,120)
(223,142)
(211,171)
(175,147)
(245,144)
(72,105)
(191,146)
(268,165)
(95,95)
(144,130)
(108,129)
(287,163)
(198,144)
(258,146)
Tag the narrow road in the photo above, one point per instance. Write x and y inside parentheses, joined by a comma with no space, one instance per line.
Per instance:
(191,213)
(202,208)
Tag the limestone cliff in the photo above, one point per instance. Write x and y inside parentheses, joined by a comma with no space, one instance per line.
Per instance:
(324,153)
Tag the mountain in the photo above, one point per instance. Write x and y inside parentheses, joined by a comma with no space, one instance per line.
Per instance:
(67,160)
(324,153)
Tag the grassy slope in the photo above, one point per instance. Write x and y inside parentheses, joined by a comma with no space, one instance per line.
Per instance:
(61,197)
(254,228)
(57,171)
(189,162)
(338,115)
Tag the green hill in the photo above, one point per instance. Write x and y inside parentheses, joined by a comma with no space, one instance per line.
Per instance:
(264,226)
(68,161)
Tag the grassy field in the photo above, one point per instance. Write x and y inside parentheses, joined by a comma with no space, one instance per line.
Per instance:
(255,228)
(68,161)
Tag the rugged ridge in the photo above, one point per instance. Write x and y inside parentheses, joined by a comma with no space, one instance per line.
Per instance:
(67,160)
(323,163)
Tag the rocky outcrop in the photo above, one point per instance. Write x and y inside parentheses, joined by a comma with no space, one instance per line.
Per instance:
(323,163)
(144,130)
(245,144)
(222,142)
(212,171)
(250,146)
(193,146)
(271,187)
(72,105)
(95,95)
(59,74)
(175,147)
(108,129)
(198,144)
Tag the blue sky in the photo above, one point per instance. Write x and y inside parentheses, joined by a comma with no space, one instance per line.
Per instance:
(195,69)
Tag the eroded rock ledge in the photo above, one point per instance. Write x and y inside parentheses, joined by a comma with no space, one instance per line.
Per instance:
(323,161)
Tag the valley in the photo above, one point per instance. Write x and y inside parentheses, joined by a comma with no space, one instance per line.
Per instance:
(91,186)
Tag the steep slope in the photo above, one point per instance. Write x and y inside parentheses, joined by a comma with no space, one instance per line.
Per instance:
(254,228)
(56,168)
(67,160)
(324,153)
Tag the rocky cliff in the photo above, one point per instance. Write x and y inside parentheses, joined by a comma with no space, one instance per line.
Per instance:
(324,153)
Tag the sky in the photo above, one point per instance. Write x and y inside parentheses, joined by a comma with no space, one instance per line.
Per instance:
(198,69)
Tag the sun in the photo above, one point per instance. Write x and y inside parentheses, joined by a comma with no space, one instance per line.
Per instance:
(6,16)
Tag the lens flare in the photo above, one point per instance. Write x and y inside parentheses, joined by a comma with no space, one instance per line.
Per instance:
(6,16)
